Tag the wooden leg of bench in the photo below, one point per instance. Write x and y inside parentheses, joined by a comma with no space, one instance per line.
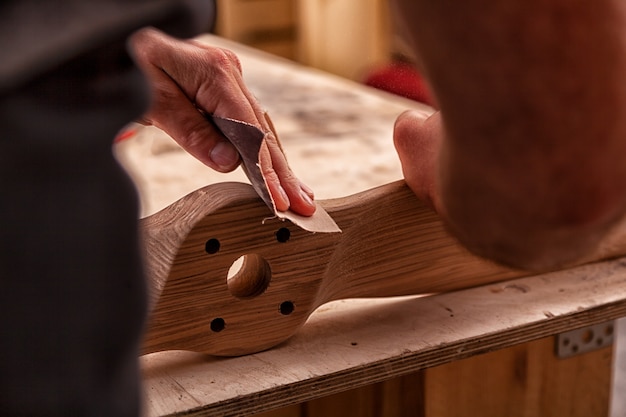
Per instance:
(398,397)
(526,380)
(291,411)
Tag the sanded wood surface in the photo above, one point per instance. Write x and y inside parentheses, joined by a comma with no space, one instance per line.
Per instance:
(391,244)
(351,343)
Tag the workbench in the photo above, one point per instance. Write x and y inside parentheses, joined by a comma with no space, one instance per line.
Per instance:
(534,346)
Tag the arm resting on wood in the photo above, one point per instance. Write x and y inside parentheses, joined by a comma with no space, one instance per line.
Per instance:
(527,159)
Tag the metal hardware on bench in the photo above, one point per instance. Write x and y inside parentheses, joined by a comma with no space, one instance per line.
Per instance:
(585,339)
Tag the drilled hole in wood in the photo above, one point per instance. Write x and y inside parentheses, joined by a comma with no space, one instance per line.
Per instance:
(218,324)
(249,276)
(212,246)
(286,308)
(283,234)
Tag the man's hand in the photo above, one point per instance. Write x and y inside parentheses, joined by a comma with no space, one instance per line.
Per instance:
(188,78)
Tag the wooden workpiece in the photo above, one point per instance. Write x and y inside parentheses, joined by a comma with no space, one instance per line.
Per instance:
(361,356)
(390,244)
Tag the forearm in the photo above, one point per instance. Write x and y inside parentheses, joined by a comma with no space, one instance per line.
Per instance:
(532,169)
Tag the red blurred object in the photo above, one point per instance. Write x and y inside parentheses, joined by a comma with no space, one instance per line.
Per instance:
(402,79)
(123,135)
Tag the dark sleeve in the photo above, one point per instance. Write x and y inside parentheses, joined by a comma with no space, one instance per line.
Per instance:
(72,291)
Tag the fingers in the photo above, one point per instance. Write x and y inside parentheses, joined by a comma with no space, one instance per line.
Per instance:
(187,76)
(172,110)
(301,199)
(418,140)
(286,189)
(280,178)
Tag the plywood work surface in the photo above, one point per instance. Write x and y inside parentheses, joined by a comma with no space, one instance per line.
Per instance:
(346,344)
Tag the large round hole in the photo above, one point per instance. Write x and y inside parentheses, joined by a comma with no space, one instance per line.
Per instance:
(249,276)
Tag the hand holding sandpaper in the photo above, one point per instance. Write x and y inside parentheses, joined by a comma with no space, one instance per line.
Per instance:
(189,80)
(252,145)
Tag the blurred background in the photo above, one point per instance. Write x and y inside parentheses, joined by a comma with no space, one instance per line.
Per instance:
(355,39)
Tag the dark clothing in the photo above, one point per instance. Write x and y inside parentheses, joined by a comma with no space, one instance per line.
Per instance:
(72,295)
(73,298)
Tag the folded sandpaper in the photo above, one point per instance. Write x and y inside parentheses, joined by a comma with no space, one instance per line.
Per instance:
(248,140)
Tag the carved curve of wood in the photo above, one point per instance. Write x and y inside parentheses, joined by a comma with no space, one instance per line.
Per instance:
(391,244)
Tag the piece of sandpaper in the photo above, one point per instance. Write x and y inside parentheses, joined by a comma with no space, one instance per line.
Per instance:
(248,140)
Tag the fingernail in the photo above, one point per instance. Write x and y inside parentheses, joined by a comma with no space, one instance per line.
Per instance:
(307,190)
(306,197)
(224,155)
(283,194)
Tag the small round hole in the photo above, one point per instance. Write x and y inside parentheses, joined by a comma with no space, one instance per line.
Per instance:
(212,246)
(283,234)
(218,324)
(286,308)
(249,276)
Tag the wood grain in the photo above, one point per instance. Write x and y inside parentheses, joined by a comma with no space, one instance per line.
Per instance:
(523,381)
(397,397)
(391,245)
